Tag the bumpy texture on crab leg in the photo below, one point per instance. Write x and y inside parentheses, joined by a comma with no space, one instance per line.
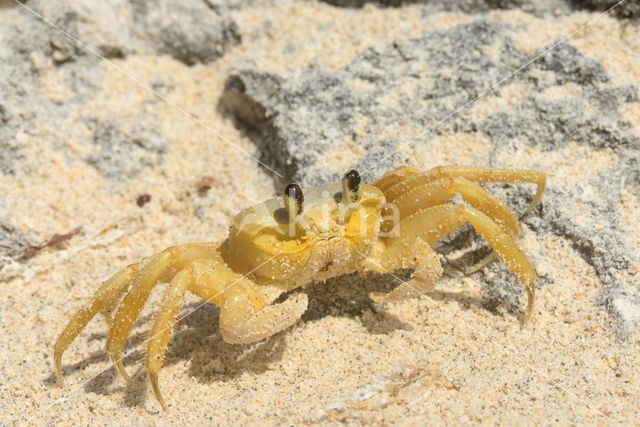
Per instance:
(242,322)
(422,196)
(106,297)
(163,328)
(404,179)
(436,222)
(395,176)
(415,253)
(245,312)
(246,315)
(411,190)
(161,267)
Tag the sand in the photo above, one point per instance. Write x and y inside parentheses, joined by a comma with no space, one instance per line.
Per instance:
(440,358)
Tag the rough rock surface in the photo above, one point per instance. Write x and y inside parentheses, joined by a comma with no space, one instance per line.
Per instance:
(317,112)
(191,31)
(467,6)
(624,9)
(106,161)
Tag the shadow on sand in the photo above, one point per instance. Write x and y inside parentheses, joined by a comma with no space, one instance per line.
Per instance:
(197,340)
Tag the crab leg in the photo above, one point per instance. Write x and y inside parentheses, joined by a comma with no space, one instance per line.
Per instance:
(105,298)
(444,189)
(412,180)
(393,177)
(438,221)
(245,313)
(163,328)
(208,278)
(499,175)
(161,266)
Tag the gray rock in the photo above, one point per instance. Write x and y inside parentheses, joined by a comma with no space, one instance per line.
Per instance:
(626,9)
(278,107)
(552,124)
(307,115)
(21,94)
(568,65)
(10,156)
(301,118)
(467,6)
(223,7)
(123,148)
(13,242)
(304,116)
(73,27)
(189,31)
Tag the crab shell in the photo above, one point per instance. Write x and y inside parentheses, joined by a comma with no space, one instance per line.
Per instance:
(328,239)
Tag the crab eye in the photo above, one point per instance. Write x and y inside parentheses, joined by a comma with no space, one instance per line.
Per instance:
(293,200)
(351,189)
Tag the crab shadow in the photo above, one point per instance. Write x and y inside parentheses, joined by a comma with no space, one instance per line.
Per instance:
(197,340)
(348,296)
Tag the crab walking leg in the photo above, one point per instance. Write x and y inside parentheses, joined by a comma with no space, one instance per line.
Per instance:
(161,266)
(163,328)
(208,279)
(436,222)
(498,175)
(393,177)
(245,314)
(400,187)
(105,297)
(440,191)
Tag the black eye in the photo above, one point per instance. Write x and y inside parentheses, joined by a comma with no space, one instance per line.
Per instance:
(293,199)
(351,191)
(353,180)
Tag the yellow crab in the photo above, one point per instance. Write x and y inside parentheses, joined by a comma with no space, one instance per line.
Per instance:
(293,240)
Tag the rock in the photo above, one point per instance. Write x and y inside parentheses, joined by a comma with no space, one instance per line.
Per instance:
(189,31)
(125,147)
(316,112)
(20,92)
(31,49)
(568,65)
(103,27)
(305,120)
(13,242)
(467,6)
(50,70)
(626,9)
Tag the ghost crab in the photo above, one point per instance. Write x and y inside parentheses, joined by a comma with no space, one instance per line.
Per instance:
(290,241)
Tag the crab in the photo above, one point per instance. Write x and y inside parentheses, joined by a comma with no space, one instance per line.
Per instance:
(297,239)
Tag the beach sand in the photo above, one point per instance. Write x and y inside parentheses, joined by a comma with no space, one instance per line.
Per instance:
(442,358)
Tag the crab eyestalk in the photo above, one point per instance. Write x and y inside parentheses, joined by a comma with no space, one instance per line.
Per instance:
(293,203)
(351,193)
(293,200)
(351,189)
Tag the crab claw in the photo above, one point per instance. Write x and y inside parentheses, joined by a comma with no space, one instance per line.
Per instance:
(242,323)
